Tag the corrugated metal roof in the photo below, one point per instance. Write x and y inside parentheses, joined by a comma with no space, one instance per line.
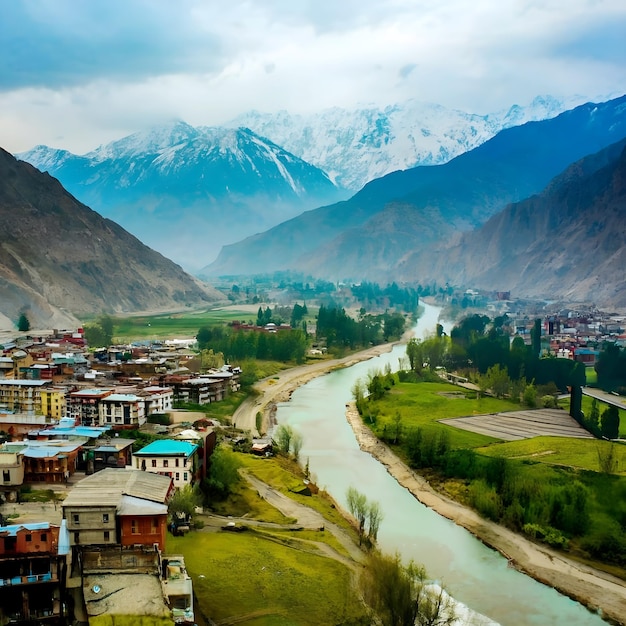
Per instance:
(138,506)
(13,529)
(106,488)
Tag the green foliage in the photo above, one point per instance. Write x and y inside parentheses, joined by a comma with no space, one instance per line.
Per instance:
(223,474)
(609,422)
(400,595)
(99,334)
(23,323)
(184,500)
(159,418)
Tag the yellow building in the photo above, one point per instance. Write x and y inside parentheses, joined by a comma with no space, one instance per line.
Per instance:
(53,402)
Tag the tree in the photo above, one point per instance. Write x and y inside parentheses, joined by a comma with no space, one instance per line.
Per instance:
(609,422)
(184,501)
(357,505)
(23,323)
(223,474)
(374,518)
(401,596)
(296,445)
(284,436)
(607,458)
(530,395)
(535,336)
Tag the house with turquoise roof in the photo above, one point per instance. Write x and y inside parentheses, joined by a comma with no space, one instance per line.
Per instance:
(180,460)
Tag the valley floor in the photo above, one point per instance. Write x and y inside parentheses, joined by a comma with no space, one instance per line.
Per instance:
(591,587)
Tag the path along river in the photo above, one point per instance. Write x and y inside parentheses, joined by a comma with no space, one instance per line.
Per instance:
(475,575)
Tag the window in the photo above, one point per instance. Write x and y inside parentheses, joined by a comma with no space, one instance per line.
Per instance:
(154,526)
(29,537)
(105,518)
(107,535)
(134,527)
(185,462)
(185,476)
(75,518)
(44,537)
(165,463)
(177,476)
(153,462)
(177,462)
(6,475)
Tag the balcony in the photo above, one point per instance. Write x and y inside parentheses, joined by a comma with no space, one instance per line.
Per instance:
(25,580)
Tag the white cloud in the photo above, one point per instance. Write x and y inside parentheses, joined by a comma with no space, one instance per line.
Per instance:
(139,62)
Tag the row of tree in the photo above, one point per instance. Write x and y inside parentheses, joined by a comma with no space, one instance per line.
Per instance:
(235,345)
(340,330)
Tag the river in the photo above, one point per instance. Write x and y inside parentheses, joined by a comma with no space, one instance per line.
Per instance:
(476,576)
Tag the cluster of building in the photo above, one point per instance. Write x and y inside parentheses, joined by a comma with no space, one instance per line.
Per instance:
(576,334)
(65,410)
(105,558)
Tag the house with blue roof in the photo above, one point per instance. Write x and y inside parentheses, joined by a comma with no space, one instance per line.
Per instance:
(180,460)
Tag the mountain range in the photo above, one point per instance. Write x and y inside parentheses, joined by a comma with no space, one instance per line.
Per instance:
(405,221)
(186,191)
(568,241)
(355,146)
(60,260)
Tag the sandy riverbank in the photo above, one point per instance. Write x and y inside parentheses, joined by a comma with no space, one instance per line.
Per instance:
(593,588)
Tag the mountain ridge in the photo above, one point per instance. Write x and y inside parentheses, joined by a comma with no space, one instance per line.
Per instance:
(59,259)
(185,190)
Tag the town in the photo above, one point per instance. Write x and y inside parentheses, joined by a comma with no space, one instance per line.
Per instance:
(64,414)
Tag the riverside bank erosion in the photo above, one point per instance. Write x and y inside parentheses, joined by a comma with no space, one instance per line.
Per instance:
(592,588)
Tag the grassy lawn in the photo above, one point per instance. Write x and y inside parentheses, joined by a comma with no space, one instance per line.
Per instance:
(284,475)
(249,579)
(170,325)
(422,404)
(566,451)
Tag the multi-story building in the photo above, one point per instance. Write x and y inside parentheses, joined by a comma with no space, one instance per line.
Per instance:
(22,396)
(53,403)
(122,411)
(118,507)
(176,459)
(33,574)
(157,399)
(11,471)
(84,405)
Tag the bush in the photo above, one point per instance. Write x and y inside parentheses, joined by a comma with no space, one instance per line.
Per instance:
(159,418)
(548,535)
(549,402)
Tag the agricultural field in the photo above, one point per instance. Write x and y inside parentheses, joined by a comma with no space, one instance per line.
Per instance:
(174,325)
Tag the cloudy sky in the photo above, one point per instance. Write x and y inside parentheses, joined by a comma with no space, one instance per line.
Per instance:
(80,73)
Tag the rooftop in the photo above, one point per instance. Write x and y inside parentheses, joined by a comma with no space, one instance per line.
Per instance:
(168,447)
(107,488)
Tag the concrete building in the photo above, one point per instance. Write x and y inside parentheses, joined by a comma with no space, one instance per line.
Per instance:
(176,459)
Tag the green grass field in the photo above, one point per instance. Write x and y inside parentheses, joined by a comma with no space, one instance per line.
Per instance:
(174,325)
(422,404)
(565,451)
(248,579)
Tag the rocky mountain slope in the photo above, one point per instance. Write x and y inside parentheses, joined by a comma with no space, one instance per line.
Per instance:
(369,235)
(568,240)
(59,259)
(186,191)
(355,146)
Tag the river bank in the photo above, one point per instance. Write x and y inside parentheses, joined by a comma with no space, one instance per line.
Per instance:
(593,588)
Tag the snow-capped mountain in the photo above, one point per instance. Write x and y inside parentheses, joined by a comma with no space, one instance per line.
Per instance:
(357,146)
(187,191)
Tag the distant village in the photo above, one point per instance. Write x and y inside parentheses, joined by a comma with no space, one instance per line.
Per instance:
(65,410)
